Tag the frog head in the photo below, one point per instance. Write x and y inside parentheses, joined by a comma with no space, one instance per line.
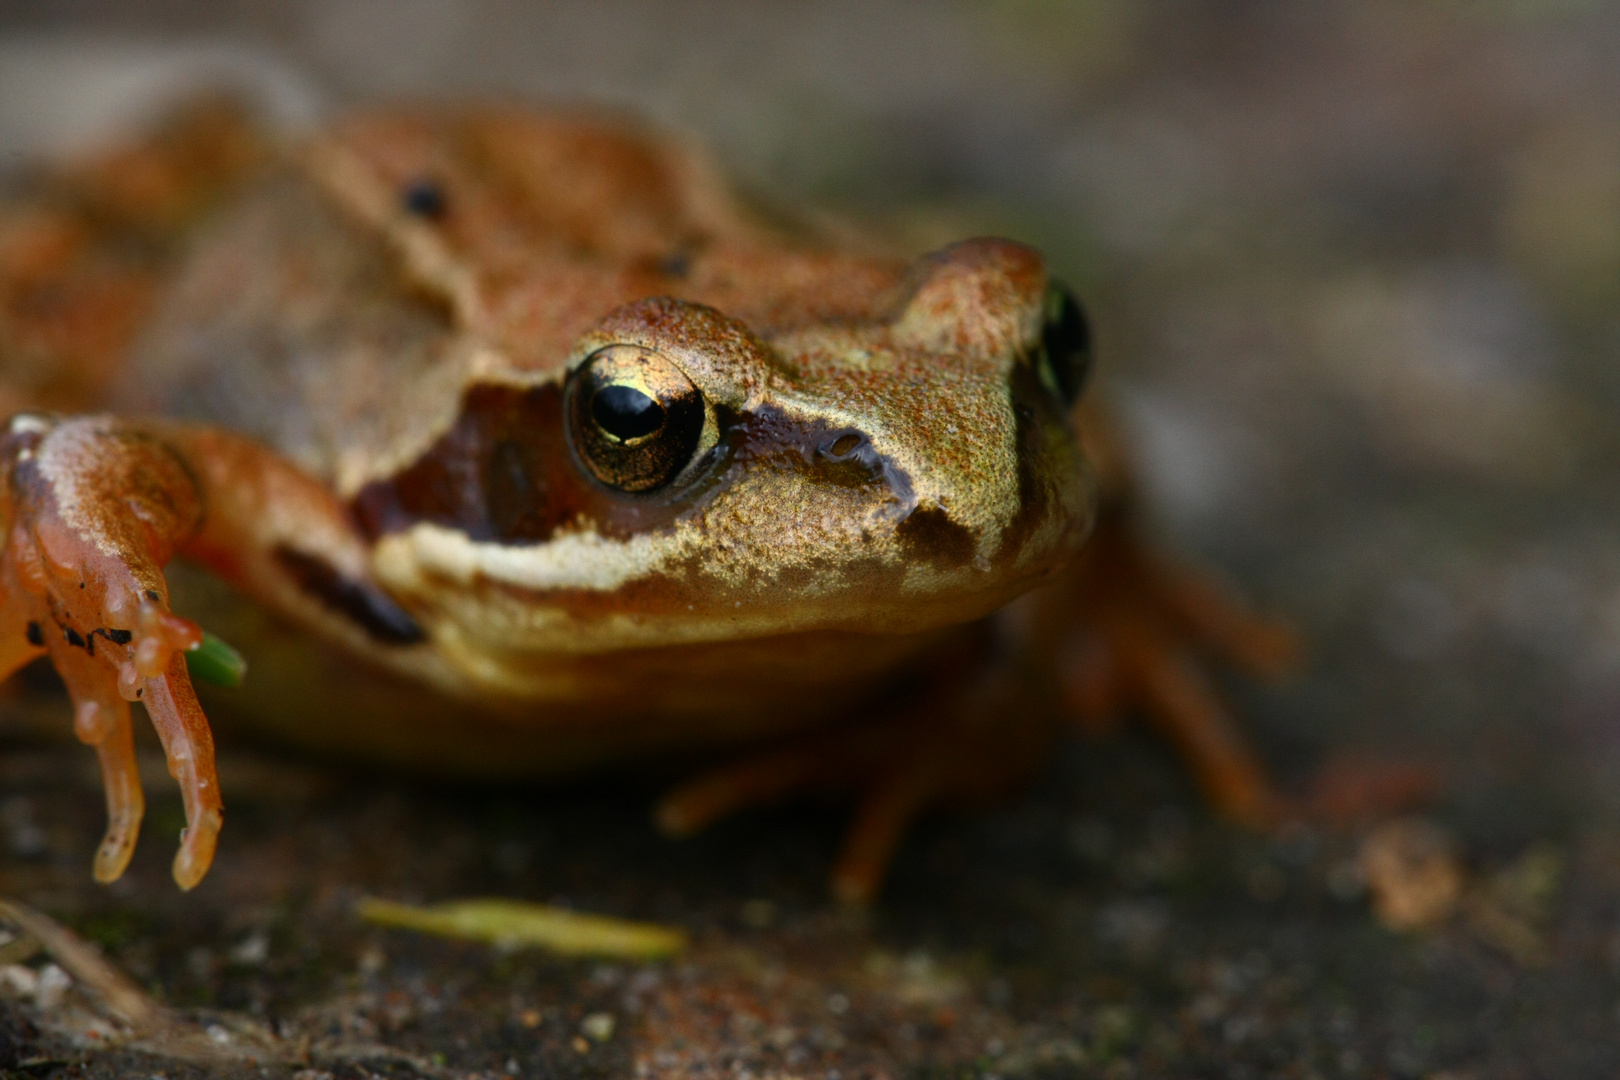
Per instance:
(686,478)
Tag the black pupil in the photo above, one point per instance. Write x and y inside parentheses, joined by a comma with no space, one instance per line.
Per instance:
(424,198)
(626,413)
(1066,338)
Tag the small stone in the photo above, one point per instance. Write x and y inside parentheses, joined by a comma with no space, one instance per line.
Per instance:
(252,950)
(372,960)
(53,983)
(1411,868)
(598,1026)
(15,979)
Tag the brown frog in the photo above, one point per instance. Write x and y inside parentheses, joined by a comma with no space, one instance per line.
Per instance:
(541,450)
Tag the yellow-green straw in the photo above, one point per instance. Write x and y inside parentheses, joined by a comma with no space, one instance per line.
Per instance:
(515,924)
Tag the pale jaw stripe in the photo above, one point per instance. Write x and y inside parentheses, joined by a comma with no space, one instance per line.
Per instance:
(582,560)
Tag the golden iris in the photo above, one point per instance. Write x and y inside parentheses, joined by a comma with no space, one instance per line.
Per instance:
(634,419)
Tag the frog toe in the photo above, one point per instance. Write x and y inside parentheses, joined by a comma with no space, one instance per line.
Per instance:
(883,816)
(768,778)
(1177,698)
(892,794)
(188,744)
(967,742)
(101,719)
(1220,624)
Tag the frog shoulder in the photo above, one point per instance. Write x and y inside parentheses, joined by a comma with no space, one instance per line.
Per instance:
(289,321)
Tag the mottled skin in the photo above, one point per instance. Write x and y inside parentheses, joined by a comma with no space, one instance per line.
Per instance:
(524,406)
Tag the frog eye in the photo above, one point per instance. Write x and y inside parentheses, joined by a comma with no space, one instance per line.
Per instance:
(634,419)
(1064,360)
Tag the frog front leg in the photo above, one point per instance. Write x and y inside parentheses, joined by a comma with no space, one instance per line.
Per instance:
(1129,630)
(1134,630)
(1120,631)
(974,733)
(93,508)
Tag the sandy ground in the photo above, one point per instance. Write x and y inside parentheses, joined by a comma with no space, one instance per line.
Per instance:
(1354,268)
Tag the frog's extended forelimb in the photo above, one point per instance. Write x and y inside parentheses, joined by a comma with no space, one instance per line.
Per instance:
(93,509)
(92,512)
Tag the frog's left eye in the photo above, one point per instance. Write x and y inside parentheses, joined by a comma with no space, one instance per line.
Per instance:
(1064,360)
(634,419)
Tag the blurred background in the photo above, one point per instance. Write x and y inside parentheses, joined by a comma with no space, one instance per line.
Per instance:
(1354,270)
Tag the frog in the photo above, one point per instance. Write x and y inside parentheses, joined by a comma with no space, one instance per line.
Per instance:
(512,442)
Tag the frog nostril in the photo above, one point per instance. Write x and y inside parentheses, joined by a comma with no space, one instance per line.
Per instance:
(423,197)
(844,445)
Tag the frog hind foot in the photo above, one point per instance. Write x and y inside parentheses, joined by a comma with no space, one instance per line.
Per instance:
(92,512)
(956,746)
(1138,629)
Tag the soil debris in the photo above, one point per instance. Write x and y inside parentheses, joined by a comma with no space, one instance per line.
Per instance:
(1413,873)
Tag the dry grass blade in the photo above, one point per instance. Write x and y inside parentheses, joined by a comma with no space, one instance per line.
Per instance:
(513,924)
(122,997)
(155,1030)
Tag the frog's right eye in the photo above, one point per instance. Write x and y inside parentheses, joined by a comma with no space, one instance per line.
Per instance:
(634,419)
(1065,355)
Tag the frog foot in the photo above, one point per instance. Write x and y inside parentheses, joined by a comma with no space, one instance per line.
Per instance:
(1138,628)
(960,745)
(91,514)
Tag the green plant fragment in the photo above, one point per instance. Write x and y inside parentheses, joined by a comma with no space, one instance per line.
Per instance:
(515,924)
(216,663)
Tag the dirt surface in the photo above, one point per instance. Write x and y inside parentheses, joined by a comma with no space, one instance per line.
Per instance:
(1354,268)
